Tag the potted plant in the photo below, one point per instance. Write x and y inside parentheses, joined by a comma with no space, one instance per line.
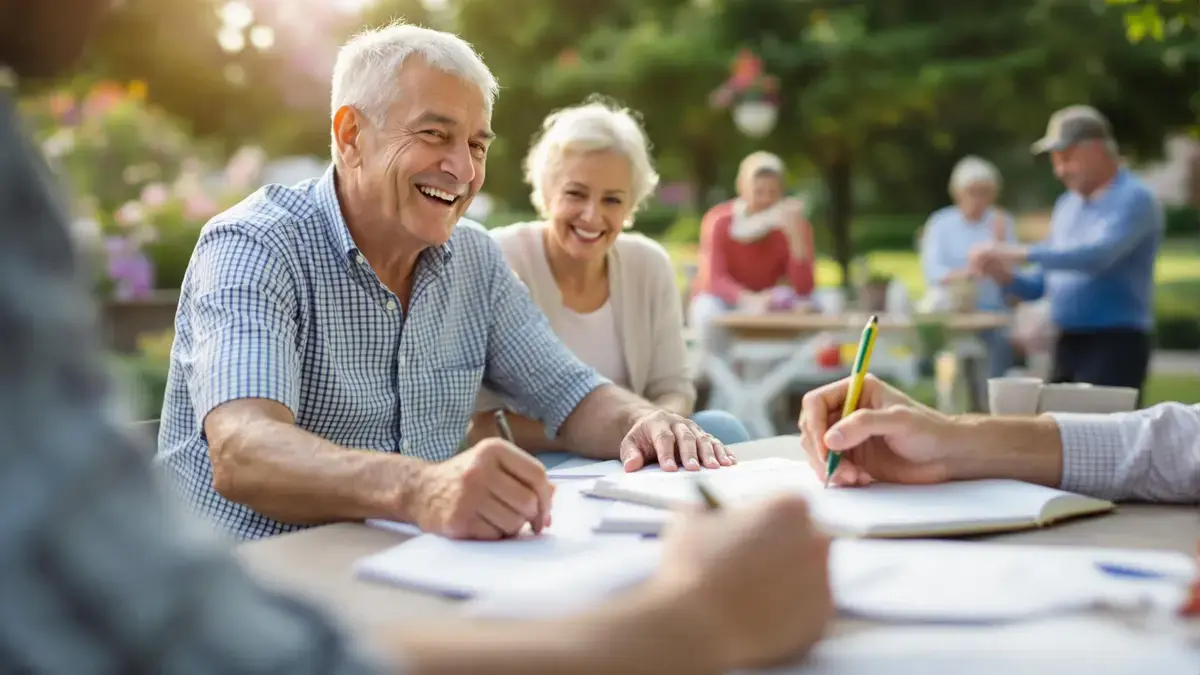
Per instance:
(874,291)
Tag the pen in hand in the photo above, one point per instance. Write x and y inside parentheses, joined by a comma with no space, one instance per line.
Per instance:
(506,433)
(502,424)
(711,503)
(862,361)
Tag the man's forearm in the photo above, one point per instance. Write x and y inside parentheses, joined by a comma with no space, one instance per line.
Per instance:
(293,476)
(600,422)
(1021,448)
(644,632)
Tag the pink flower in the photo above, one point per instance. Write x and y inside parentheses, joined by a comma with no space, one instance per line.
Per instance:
(155,195)
(130,214)
(199,206)
(245,167)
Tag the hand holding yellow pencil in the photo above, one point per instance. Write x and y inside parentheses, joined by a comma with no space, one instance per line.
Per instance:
(862,362)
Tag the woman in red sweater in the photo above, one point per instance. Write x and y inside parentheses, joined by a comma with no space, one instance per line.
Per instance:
(756,251)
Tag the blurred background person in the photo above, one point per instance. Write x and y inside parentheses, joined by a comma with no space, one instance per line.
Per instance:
(946,243)
(756,250)
(1097,264)
(610,295)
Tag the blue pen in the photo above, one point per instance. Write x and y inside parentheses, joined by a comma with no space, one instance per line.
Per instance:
(1129,572)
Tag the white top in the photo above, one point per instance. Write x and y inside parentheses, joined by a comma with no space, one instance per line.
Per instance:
(593,337)
(595,340)
(645,305)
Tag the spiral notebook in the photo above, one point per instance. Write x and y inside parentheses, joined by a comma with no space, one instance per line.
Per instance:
(881,510)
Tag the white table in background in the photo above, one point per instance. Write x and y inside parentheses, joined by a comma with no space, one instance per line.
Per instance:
(774,350)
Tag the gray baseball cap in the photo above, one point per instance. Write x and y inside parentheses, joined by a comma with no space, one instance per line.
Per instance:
(1070,126)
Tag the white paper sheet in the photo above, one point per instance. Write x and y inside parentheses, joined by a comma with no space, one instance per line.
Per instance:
(975,582)
(464,569)
(1060,646)
(583,467)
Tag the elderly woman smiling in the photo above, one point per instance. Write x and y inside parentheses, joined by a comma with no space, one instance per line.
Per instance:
(610,295)
(950,234)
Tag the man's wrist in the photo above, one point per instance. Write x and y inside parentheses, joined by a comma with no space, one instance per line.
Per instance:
(1020,448)
(409,479)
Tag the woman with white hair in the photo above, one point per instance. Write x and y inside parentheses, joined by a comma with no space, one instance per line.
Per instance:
(951,232)
(609,294)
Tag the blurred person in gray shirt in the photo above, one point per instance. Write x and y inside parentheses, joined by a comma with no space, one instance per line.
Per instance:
(99,575)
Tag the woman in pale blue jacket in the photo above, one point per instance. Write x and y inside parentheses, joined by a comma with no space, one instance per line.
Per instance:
(951,232)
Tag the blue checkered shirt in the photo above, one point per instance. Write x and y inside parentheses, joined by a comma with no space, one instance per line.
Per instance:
(278,303)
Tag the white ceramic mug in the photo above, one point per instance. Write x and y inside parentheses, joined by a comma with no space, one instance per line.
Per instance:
(1014,395)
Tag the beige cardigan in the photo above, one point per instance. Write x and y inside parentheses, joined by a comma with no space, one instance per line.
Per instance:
(645,302)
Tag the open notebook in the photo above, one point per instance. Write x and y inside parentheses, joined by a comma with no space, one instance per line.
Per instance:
(881,510)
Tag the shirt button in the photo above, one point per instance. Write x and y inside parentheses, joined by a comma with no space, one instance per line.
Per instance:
(401,360)
(391,305)
(359,259)
(404,447)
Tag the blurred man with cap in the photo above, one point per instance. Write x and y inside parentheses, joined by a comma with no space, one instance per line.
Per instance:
(1097,264)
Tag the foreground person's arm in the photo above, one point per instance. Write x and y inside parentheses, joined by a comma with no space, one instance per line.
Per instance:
(96,574)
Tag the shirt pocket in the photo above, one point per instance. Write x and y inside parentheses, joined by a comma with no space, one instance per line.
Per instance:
(436,407)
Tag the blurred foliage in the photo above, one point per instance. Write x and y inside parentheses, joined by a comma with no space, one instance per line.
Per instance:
(878,98)
(105,141)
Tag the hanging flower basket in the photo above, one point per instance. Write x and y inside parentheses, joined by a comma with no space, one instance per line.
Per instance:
(755,118)
(752,95)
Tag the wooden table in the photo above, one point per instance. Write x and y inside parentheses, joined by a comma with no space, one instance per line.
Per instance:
(318,562)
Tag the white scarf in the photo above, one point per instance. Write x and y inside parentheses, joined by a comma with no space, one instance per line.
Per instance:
(747,228)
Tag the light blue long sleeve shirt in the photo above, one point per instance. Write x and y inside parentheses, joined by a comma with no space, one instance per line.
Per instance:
(1097,264)
(946,242)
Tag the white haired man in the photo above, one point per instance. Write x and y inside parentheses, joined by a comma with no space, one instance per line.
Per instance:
(951,233)
(332,336)
(1097,265)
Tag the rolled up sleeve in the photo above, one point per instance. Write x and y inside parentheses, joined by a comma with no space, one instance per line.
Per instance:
(242,310)
(1145,455)
(526,362)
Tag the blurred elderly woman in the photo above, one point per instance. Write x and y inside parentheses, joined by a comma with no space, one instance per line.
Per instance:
(948,237)
(610,295)
(756,251)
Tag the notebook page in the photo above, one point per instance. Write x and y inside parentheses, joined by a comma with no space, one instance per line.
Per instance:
(880,509)
(885,507)
(464,569)
(738,484)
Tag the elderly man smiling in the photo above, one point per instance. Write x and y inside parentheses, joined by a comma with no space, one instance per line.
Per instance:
(332,336)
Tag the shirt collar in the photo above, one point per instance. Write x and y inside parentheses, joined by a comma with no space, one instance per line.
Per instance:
(339,233)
